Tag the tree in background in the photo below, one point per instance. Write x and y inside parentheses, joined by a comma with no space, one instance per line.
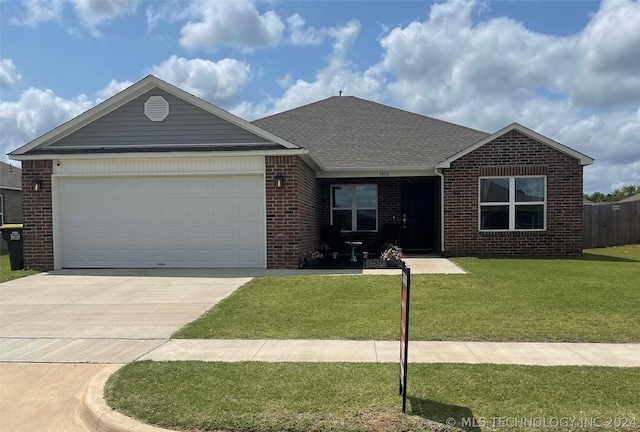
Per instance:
(616,195)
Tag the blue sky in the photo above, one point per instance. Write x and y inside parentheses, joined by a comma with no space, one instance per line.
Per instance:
(567,69)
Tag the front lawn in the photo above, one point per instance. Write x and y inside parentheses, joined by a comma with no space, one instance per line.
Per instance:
(6,274)
(364,397)
(595,298)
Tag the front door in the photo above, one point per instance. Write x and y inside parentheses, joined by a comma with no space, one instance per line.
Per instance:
(417,218)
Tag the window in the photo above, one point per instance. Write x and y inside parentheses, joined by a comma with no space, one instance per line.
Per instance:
(355,207)
(1,209)
(512,203)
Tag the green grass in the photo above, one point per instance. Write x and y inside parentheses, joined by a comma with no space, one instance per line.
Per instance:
(364,397)
(6,274)
(595,298)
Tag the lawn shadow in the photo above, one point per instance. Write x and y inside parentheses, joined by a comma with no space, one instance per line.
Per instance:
(597,257)
(586,256)
(449,415)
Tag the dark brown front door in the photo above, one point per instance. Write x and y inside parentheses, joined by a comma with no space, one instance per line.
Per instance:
(417,219)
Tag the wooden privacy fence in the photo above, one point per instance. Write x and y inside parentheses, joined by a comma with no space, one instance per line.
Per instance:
(611,224)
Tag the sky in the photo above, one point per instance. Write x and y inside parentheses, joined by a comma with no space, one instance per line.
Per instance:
(569,70)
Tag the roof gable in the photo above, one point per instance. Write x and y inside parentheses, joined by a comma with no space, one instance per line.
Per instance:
(582,158)
(186,124)
(93,129)
(346,132)
(632,198)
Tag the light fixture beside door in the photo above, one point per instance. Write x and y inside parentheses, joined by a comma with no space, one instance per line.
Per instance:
(36,185)
(279,179)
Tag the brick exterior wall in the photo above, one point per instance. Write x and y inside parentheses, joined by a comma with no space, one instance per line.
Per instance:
(292,212)
(37,215)
(295,213)
(514,154)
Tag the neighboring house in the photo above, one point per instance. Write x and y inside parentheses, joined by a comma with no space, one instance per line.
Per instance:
(635,197)
(10,199)
(156,177)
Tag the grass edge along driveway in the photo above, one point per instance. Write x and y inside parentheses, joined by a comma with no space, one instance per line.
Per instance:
(6,274)
(594,298)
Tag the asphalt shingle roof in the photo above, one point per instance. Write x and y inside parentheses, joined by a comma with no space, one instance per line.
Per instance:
(349,132)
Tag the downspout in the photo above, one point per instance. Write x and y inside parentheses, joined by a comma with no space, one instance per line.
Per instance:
(439,172)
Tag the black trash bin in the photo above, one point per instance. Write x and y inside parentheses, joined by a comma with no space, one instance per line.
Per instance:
(12,234)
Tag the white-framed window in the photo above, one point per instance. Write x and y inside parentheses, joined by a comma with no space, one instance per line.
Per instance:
(355,207)
(513,203)
(1,209)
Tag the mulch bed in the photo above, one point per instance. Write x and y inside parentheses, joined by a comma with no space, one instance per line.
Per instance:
(342,263)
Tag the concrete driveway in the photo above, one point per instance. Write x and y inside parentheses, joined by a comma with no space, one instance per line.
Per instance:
(53,324)
(103,316)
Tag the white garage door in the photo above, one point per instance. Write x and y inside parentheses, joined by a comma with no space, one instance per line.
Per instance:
(182,221)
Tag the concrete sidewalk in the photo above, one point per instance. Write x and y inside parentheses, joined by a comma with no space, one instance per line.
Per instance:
(98,416)
(113,351)
(517,353)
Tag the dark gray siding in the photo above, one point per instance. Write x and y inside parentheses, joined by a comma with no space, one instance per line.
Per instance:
(186,124)
(12,205)
(12,210)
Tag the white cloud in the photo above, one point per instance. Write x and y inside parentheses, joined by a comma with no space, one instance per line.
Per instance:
(337,75)
(36,112)
(112,88)
(284,81)
(446,62)
(9,75)
(236,24)
(611,42)
(91,13)
(218,82)
(39,11)
(169,10)
(304,36)
(607,57)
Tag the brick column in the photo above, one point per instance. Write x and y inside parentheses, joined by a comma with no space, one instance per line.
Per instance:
(37,216)
(292,212)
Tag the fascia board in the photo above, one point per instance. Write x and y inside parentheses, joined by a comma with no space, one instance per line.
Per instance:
(80,156)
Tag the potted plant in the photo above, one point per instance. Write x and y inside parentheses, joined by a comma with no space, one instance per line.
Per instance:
(324,249)
(310,259)
(392,255)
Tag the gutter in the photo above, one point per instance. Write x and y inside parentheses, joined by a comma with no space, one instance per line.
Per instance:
(153,155)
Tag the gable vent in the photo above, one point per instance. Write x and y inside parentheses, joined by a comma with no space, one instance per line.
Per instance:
(156,108)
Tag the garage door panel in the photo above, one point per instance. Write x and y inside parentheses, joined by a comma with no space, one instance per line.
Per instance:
(249,189)
(197,211)
(158,221)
